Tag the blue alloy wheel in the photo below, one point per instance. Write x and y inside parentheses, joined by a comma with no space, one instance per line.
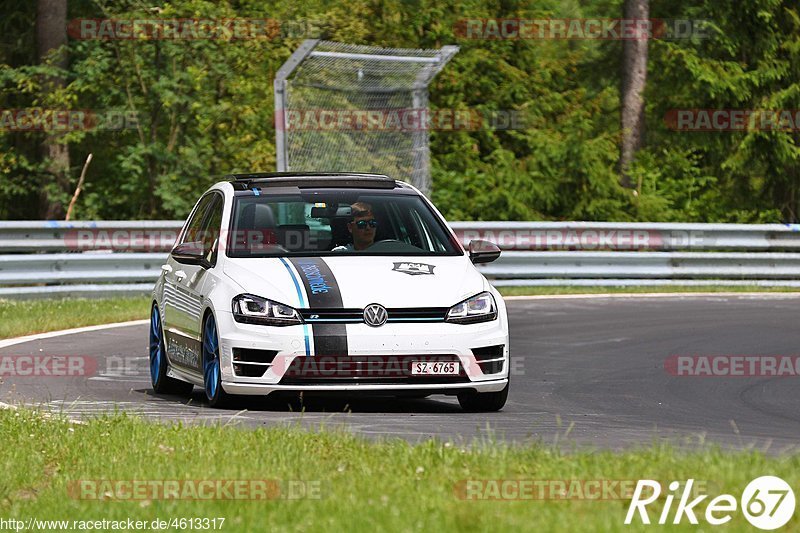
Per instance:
(211,364)
(162,384)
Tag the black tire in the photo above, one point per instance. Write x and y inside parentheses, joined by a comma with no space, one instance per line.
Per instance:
(162,384)
(483,402)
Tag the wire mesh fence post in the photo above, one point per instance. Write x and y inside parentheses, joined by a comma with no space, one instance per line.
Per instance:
(344,107)
(279,86)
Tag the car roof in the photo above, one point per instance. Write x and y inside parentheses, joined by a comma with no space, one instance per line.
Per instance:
(313,180)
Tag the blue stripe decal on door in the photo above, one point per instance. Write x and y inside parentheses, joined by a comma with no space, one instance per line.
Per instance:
(302,302)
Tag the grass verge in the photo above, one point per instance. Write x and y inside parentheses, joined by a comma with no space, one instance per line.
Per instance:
(25,317)
(362,485)
(535,291)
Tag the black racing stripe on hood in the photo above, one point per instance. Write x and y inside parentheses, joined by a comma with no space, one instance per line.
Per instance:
(323,292)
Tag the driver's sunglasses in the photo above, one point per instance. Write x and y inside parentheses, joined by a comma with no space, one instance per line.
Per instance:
(362,224)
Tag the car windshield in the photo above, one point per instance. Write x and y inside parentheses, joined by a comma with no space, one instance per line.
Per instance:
(336,222)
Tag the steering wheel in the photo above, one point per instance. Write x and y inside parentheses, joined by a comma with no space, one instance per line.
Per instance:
(393,245)
(386,240)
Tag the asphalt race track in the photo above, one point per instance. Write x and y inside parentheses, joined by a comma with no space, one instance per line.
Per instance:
(589,371)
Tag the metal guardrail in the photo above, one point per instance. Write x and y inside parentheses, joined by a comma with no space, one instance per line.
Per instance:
(123,235)
(619,236)
(644,265)
(124,257)
(28,269)
(77,291)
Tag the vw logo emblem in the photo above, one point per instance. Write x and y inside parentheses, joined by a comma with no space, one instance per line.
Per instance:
(375,315)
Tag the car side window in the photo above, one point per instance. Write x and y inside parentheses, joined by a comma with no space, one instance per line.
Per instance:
(212,229)
(194,227)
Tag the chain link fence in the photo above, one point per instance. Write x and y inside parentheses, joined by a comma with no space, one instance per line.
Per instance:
(354,108)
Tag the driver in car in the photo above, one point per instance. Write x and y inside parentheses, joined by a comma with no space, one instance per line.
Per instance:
(362,228)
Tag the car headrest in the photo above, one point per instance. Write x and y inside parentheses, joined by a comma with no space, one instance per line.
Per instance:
(263,217)
(255,230)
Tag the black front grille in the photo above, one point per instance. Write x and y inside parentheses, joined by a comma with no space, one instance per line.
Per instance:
(428,314)
(367,369)
(251,363)
(490,358)
(332,315)
(355,316)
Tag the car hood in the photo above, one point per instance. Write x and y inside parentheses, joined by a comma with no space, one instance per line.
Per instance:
(354,282)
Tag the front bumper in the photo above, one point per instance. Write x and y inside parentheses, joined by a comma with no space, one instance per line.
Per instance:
(364,388)
(455,341)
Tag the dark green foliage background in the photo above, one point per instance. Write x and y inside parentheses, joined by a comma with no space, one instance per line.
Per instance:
(206,108)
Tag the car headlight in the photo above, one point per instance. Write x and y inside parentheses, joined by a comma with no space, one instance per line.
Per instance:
(251,309)
(479,308)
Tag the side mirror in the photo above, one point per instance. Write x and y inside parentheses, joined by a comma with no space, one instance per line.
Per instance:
(483,251)
(189,253)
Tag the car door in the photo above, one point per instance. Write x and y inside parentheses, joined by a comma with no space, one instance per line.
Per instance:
(182,297)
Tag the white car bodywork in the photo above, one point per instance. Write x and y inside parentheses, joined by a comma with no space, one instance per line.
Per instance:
(185,294)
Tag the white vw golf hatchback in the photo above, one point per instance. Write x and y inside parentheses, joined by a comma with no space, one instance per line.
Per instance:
(326,282)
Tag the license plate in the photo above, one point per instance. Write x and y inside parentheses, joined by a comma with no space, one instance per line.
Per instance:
(430,368)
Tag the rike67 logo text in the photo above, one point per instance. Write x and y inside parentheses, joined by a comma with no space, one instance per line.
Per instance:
(767,502)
